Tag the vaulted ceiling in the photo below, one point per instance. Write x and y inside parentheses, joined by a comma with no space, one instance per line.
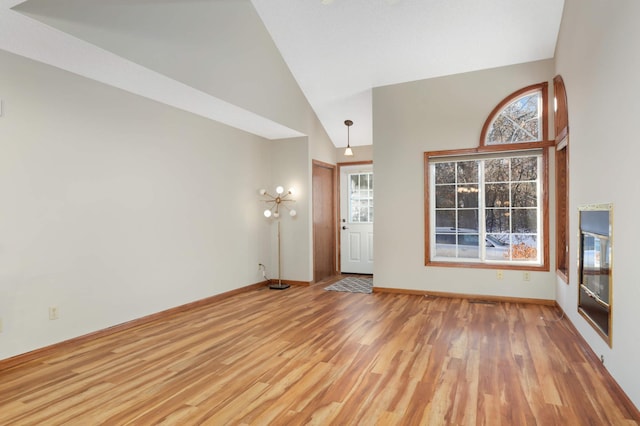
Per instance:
(172,51)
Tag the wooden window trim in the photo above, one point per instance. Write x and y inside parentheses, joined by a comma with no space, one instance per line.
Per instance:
(543,88)
(561,124)
(545,145)
(545,207)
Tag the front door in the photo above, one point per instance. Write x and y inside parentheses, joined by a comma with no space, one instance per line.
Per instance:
(356,219)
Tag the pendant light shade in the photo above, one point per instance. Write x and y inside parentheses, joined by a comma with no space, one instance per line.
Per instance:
(348,151)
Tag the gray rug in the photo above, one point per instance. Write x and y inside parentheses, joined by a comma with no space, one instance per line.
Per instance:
(353,285)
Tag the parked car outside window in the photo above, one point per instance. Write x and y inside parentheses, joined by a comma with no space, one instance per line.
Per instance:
(464,243)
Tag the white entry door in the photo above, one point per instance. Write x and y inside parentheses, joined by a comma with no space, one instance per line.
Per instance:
(356,219)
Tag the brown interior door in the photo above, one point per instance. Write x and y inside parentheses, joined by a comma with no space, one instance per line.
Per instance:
(324,234)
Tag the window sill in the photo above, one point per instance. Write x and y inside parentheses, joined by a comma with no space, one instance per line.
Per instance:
(477,265)
(564,276)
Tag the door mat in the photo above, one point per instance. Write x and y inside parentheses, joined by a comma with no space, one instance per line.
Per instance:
(353,285)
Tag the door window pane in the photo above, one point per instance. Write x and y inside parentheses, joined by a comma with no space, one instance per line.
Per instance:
(361,197)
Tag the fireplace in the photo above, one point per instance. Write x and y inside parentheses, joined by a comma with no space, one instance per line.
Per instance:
(595,278)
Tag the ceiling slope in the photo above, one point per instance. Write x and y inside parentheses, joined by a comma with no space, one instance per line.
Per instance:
(57,38)
(234,61)
(339,50)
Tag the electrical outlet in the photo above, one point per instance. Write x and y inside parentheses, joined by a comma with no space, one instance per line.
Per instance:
(526,276)
(499,274)
(54,314)
(1,325)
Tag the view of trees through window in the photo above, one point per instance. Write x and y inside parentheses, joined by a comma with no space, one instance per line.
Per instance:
(518,122)
(488,205)
(493,201)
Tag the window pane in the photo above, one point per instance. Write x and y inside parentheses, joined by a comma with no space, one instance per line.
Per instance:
(445,196)
(524,194)
(517,122)
(524,168)
(468,220)
(445,173)
(445,219)
(497,195)
(501,131)
(446,245)
(356,209)
(468,172)
(468,196)
(497,247)
(457,246)
(364,214)
(524,220)
(354,182)
(361,197)
(497,220)
(468,246)
(366,181)
(524,247)
(496,170)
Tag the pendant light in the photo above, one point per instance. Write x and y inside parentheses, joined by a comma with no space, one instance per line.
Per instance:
(348,151)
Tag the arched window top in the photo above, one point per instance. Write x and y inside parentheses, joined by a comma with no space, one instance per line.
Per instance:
(561,115)
(520,118)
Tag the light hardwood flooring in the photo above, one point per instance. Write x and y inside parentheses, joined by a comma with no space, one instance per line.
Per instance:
(309,356)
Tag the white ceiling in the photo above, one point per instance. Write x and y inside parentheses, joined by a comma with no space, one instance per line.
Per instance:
(337,50)
(340,50)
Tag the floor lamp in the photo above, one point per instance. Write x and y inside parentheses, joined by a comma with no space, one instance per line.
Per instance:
(274,202)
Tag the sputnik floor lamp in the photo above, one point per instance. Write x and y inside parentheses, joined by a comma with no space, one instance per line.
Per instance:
(274,202)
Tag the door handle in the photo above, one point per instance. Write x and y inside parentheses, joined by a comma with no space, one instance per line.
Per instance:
(344,227)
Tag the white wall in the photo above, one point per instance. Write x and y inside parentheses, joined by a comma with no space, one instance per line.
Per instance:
(115,207)
(219,47)
(290,168)
(598,56)
(360,153)
(437,114)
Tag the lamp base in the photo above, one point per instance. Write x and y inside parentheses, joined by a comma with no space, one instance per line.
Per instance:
(279,286)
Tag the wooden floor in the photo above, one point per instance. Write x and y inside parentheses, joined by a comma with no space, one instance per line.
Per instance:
(309,356)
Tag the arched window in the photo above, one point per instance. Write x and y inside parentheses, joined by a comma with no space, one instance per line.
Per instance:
(561,121)
(521,117)
(488,206)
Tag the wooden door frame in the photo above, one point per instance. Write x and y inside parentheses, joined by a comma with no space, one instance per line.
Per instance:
(337,204)
(334,219)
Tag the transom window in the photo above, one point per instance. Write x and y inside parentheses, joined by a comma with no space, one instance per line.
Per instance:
(361,197)
(520,118)
(488,206)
